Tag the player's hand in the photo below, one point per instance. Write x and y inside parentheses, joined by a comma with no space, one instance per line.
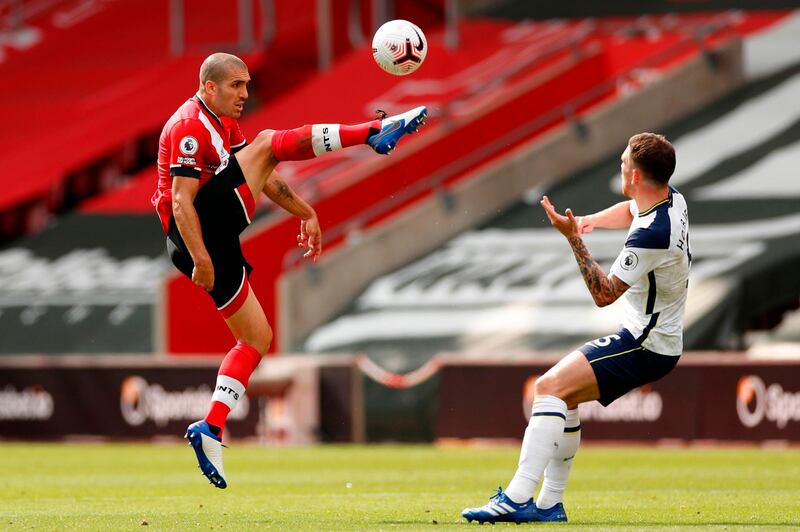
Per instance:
(566,225)
(585,224)
(310,238)
(203,274)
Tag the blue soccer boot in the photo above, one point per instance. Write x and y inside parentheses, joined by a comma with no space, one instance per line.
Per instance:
(502,509)
(394,127)
(208,448)
(555,514)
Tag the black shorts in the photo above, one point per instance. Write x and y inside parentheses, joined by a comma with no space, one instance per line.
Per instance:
(225,207)
(620,364)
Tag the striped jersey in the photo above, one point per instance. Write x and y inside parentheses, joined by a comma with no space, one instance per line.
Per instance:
(196,143)
(655,263)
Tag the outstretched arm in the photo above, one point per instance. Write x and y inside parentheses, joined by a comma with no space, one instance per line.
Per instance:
(604,289)
(615,217)
(310,236)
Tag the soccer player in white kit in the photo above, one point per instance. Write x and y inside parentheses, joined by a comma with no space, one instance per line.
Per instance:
(652,271)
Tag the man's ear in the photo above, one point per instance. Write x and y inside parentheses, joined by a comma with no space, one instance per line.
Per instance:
(636,176)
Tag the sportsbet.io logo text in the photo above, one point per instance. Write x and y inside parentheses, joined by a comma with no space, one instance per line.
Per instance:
(33,403)
(640,405)
(141,401)
(757,401)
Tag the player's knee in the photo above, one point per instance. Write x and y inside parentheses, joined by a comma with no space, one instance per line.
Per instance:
(262,339)
(557,386)
(263,143)
(259,337)
(548,385)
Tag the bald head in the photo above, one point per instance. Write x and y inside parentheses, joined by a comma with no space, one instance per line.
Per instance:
(217,67)
(223,84)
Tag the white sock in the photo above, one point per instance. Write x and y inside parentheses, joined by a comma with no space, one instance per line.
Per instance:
(325,138)
(557,472)
(542,435)
(228,391)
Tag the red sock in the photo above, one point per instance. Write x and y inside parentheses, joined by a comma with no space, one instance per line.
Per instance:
(358,133)
(308,142)
(232,378)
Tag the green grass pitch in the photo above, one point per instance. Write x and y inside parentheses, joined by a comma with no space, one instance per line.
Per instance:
(158,487)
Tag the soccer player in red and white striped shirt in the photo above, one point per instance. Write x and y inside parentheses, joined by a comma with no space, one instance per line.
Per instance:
(209,178)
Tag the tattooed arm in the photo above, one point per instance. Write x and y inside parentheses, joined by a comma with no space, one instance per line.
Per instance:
(604,289)
(310,236)
(282,194)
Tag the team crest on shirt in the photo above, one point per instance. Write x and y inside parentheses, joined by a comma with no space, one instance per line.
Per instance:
(188,145)
(629,261)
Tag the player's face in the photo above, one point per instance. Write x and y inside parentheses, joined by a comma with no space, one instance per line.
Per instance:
(232,93)
(626,172)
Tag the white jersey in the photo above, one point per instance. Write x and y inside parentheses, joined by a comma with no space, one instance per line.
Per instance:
(655,263)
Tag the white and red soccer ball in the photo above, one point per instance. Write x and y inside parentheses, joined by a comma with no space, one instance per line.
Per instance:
(399,47)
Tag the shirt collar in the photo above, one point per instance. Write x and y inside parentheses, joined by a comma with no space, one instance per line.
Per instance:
(208,109)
